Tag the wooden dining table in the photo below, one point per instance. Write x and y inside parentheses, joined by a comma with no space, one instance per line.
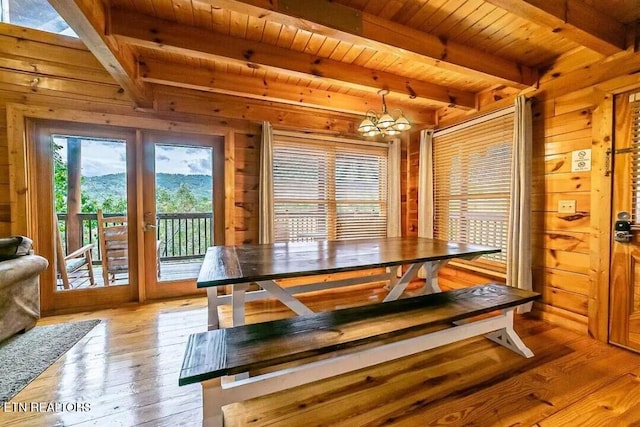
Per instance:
(264,264)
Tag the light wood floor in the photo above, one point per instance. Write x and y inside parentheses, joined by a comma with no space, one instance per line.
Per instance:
(127,369)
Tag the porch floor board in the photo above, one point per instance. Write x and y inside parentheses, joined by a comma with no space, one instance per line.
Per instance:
(169,271)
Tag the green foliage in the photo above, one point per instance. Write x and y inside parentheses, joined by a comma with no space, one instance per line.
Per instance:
(175,192)
(59,181)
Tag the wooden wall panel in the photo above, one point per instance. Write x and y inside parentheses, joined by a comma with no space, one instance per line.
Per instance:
(70,77)
(247,153)
(561,243)
(5,208)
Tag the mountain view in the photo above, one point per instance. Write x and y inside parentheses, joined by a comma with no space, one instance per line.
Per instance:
(100,187)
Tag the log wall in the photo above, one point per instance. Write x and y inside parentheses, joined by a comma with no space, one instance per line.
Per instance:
(43,69)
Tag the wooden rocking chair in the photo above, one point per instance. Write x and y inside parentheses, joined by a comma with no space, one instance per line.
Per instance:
(113,236)
(69,265)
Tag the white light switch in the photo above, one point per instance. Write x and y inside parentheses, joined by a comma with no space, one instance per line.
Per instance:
(566,206)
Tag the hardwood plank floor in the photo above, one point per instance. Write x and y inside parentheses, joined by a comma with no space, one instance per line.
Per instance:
(127,370)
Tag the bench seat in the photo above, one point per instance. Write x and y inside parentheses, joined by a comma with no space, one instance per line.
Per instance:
(372,334)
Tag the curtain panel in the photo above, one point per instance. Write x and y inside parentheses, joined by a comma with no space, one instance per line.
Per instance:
(265,197)
(519,232)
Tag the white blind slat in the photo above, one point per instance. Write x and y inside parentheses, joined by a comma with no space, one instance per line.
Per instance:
(472,169)
(328,190)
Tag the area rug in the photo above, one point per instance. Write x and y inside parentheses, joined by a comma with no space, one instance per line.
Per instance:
(25,356)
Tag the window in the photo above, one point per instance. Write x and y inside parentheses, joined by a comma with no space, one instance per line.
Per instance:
(472,167)
(38,14)
(328,190)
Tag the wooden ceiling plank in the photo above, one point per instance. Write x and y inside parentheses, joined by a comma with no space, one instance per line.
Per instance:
(384,35)
(178,75)
(301,40)
(203,16)
(238,25)
(469,22)
(164,9)
(220,19)
(576,20)
(488,23)
(255,29)
(327,48)
(88,20)
(271,33)
(153,33)
(184,11)
(418,13)
(624,64)
(444,10)
(194,104)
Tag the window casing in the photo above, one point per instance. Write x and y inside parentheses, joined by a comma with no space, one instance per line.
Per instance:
(328,190)
(472,167)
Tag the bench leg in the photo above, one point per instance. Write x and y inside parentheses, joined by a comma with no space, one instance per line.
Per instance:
(237,303)
(508,337)
(213,322)
(211,410)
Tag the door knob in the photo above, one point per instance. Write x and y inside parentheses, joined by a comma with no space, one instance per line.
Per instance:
(149,227)
(622,228)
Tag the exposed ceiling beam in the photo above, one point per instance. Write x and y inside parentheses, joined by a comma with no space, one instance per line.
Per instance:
(626,64)
(144,31)
(88,20)
(385,36)
(177,75)
(574,20)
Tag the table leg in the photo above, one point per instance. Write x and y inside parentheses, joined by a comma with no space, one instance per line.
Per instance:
(285,297)
(237,303)
(431,281)
(213,322)
(401,285)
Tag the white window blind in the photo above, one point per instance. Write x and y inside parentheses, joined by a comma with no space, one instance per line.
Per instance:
(328,190)
(472,166)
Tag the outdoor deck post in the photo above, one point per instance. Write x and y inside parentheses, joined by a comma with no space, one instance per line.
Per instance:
(74,202)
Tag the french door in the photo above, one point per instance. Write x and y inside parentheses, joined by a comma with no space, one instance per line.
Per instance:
(183,204)
(80,170)
(123,215)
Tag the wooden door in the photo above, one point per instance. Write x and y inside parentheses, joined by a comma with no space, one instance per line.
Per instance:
(624,326)
(77,170)
(183,209)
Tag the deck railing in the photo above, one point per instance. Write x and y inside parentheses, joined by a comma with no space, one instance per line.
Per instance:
(182,236)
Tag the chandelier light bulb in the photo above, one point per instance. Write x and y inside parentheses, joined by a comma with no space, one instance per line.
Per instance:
(384,123)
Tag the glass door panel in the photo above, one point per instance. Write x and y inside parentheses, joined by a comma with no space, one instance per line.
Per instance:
(90,202)
(182,190)
(184,209)
(85,172)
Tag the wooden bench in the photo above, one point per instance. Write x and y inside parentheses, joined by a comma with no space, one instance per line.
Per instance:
(355,338)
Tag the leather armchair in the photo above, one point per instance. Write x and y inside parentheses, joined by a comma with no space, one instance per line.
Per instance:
(20,293)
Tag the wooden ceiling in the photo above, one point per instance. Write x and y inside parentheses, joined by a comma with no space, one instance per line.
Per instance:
(336,55)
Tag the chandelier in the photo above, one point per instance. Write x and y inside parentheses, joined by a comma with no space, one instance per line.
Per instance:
(384,124)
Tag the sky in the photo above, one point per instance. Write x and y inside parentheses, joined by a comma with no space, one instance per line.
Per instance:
(103,157)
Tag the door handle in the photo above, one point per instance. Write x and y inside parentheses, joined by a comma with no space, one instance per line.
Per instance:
(149,227)
(622,228)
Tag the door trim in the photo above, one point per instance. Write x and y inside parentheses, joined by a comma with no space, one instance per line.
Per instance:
(600,224)
(149,139)
(43,207)
(23,183)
